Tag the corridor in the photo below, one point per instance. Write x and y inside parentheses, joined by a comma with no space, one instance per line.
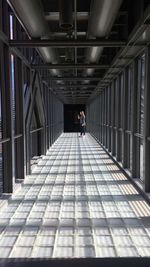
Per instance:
(76,203)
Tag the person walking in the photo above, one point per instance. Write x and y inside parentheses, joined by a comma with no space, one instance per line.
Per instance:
(82,123)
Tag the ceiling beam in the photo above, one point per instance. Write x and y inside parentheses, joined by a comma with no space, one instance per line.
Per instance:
(54,16)
(66,43)
(74,92)
(72,66)
(61,86)
(72,78)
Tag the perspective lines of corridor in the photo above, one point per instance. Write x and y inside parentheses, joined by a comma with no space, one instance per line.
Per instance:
(76,203)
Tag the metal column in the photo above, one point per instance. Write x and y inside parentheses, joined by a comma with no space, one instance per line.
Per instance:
(134,167)
(146,134)
(124,119)
(113,119)
(19,146)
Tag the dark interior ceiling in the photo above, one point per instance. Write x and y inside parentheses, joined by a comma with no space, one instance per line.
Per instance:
(88,17)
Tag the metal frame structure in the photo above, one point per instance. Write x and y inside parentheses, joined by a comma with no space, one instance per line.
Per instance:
(120,140)
(74,43)
(33,94)
(22,93)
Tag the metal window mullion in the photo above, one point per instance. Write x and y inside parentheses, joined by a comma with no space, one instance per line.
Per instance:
(27,127)
(97,114)
(47,119)
(99,136)
(100,118)
(7,117)
(125,112)
(19,145)
(146,132)
(106,122)
(109,118)
(117,119)
(49,110)
(138,97)
(105,117)
(112,119)
(135,156)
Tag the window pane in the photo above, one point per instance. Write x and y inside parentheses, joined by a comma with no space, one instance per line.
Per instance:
(11,27)
(140,111)
(142,93)
(13,113)
(141,159)
(1,155)
(129,98)
(122,100)
(13,92)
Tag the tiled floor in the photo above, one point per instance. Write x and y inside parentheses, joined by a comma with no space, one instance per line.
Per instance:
(76,203)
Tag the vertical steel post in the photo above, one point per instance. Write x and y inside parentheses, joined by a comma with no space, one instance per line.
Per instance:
(112,119)
(7,118)
(118,105)
(19,143)
(146,133)
(134,167)
(124,119)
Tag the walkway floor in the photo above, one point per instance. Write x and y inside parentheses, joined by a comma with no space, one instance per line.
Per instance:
(76,203)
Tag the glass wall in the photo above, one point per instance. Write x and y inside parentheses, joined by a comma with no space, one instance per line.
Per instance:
(140,110)
(22,105)
(121,95)
(120,133)
(34,137)
(1,148)
(128,117)
(13,112)
(13,93)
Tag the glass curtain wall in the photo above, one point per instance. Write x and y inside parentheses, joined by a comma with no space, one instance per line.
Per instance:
(115,130)
(140,111)
(129,103)
(1,148)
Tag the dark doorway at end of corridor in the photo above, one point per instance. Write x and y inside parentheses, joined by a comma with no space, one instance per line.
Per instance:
(71,122)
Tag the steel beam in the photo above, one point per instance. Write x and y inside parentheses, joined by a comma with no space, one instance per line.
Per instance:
(72,78)
(73,86)
(72,66)
(54,16)
(3,37)
(64,43)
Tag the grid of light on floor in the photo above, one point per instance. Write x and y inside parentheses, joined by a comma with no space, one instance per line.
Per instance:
(76,203)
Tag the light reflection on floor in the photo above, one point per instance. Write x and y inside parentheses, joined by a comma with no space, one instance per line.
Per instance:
(76,203)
